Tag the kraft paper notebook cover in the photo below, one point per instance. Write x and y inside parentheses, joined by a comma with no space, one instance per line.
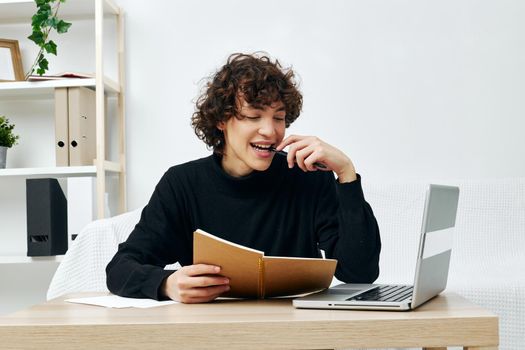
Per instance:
(253,275)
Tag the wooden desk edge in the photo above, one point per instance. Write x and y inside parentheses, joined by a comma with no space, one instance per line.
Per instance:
(473,330)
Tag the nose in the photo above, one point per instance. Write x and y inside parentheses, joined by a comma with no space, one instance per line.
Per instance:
(267,127)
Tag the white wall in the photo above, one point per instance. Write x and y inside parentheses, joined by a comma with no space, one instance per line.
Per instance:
(406,88)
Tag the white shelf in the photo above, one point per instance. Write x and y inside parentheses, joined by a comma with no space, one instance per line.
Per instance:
(20,11)
(67,171)
(14,259)
(45,89)
(64,171)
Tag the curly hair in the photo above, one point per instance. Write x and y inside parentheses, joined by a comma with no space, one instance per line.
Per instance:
(259,80)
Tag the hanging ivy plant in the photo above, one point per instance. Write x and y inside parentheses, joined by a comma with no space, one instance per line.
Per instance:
(43,21)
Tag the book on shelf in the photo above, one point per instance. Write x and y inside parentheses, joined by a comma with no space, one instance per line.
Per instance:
(62,75)
(254,275)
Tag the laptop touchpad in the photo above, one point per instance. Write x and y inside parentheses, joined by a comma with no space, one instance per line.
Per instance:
(346,292)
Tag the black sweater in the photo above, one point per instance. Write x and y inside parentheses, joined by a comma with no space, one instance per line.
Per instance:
(280,211)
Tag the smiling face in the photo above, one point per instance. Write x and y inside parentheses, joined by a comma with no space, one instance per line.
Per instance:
(249,135)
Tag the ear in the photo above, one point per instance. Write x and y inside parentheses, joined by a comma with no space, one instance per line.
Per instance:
(221,126)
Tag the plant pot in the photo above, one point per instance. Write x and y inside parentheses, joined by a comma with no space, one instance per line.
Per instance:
(3,155)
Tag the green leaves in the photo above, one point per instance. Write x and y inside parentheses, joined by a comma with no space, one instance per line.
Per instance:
(51,47)
(43,65)
(38,20)
(7,137)
(62,26)
(37,37)
(52,22)
(43,21)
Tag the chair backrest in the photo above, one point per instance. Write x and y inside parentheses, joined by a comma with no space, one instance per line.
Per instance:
(489,226)
(398,208)
(83,266)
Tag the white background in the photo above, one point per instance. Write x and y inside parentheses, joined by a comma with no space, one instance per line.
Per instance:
(408,89)
(405,88)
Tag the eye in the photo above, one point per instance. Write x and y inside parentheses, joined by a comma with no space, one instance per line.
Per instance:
(251,117)
(279,118)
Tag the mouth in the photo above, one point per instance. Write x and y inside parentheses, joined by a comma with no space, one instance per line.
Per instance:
(262,150)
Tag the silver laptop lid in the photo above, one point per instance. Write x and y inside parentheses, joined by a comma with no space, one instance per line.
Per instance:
(435,248)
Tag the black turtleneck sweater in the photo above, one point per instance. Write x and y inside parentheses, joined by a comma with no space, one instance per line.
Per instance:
(280,211)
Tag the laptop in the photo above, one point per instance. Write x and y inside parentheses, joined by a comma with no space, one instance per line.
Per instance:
(433,259)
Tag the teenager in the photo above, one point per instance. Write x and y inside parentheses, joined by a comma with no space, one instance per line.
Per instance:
(247,193)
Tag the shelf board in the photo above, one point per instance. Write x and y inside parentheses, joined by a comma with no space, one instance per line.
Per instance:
(15,259)
(45,89)
(66,171)
(20,11)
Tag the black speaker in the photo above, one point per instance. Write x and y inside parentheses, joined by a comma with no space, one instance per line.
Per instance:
(46,218)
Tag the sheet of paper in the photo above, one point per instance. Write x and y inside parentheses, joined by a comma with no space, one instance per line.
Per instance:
(115,301)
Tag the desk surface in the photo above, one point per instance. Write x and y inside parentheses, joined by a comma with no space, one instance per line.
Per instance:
(270,324)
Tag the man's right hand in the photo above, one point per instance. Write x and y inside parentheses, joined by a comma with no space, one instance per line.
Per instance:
(195,284)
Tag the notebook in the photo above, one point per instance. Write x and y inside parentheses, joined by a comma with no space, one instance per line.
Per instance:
(255,275)
(433,259)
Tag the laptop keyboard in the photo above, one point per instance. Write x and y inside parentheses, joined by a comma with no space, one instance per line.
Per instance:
(392,293)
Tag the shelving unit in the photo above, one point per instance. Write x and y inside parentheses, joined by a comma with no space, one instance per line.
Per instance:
(18,12)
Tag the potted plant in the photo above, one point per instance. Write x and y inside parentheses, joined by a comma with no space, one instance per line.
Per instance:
(7,139)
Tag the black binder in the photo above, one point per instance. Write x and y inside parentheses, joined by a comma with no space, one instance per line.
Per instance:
(46,218)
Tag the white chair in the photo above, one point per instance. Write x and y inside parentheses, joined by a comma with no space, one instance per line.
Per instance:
(83,267)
